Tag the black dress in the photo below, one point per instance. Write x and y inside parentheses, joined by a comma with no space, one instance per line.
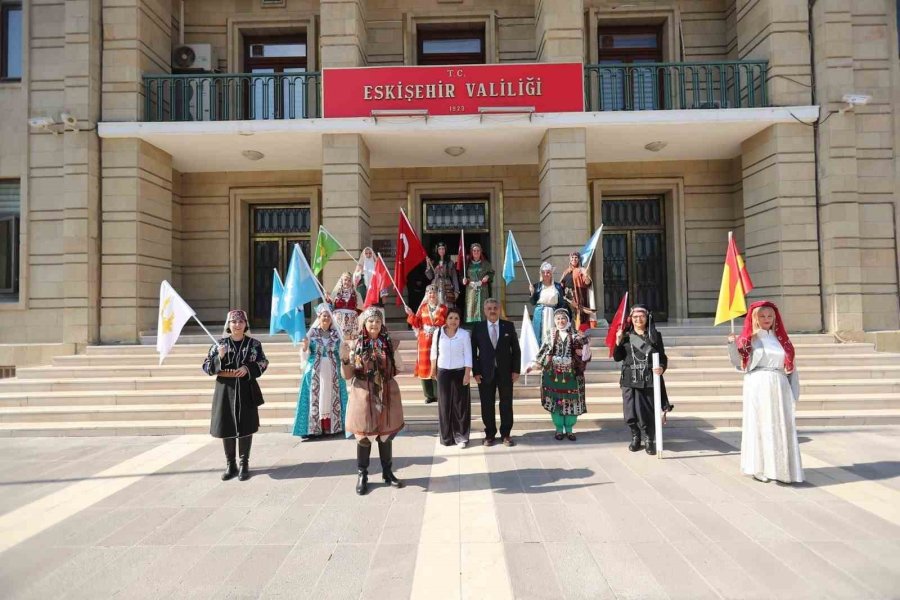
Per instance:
(236,400)
(637,379)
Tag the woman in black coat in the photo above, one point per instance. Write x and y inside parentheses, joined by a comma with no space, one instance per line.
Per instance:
(635,343)
(237,361)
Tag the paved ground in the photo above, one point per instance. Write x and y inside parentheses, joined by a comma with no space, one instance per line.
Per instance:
(149,518)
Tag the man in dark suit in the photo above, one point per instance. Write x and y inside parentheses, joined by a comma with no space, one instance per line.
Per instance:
(495,367)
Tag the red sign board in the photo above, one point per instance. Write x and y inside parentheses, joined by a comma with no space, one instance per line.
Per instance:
(452,90)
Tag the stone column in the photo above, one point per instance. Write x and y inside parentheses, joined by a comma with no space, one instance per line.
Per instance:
(345,198)
(81,173)
(137,236)
(565,202)
(559,30)
(780,237)
(777,31)
(343,36)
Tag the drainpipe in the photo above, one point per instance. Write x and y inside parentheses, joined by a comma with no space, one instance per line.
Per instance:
(818,196)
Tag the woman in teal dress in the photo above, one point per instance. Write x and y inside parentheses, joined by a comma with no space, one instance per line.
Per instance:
(479,275)
(322,401)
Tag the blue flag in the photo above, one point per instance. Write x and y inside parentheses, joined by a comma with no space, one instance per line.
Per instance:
(513,256)
(299,288)
(277,293)
(587,252)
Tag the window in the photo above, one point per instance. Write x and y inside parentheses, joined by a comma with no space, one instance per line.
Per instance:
(450,44)
(276,94)
(629,88)
(9,238)
(11,41)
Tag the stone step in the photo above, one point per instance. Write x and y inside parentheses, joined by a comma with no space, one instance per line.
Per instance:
(283,405)
(429,424)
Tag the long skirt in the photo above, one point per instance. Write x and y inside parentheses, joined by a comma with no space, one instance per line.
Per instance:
(542,322)
(345,319)
(454,407)
(769,445)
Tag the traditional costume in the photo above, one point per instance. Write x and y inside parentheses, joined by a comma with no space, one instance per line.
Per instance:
(769,445)
(476,291)
(375,409)
(577,285)
(365,270)
(322,401)
(426,321)
(562,358)
(236,400)
(546,299)
(442,272)
(634,352)
(346,302)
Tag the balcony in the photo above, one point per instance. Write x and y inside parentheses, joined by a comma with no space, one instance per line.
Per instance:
(675,86)
(231,97)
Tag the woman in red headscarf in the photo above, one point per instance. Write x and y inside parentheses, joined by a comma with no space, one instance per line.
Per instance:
(763,350)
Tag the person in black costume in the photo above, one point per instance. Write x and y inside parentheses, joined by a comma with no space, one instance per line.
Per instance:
(237,361)
(635,343)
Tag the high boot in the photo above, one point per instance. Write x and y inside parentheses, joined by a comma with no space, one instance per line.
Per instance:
(244,450)
(385,453)
(230,465)
(649,443)
(363,451)
(635,444)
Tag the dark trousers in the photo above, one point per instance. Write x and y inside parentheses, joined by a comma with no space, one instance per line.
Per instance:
(454,406)
(429,389)
(488,391)
(637,406)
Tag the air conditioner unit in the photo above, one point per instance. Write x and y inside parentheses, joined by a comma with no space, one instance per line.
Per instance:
(195,57)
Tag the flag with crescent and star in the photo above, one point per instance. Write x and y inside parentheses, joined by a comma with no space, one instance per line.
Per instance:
(410,253)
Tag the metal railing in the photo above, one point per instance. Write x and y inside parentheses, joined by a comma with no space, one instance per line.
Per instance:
(675,86)
(231,96)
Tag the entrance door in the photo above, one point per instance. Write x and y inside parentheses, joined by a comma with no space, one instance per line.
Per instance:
(442,221)
(634,254)
(273,232)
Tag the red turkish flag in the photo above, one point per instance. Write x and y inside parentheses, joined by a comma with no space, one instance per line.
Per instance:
(381,281)
(410,253)
(461,255)
(617,323)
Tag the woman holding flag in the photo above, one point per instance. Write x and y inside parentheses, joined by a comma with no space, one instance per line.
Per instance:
(563,358)
(432,315)
(577,285)
(478,278)
(237,361)
(322,401)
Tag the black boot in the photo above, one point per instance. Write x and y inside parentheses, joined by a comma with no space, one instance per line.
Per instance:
(635,444)
(230,465)
(363,451)
(244,449)
(385,453)
(649,443)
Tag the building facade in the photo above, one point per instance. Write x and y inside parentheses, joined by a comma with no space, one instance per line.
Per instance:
(155,139)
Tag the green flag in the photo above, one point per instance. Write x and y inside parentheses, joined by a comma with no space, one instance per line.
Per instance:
(326,245)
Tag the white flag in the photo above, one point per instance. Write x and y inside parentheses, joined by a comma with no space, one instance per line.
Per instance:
(529,345)
(173,314)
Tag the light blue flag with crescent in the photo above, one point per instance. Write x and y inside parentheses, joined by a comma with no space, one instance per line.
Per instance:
(587,252)
(513,257)
(299,288)
(277,293)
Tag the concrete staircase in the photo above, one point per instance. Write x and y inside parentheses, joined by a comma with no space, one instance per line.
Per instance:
(121,390)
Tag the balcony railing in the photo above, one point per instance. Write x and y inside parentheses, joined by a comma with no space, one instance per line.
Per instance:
(231,97)
(674,86)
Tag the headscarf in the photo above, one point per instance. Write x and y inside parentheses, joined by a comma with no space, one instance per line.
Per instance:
(368,265)
(429,288)
(562,311)
(367,348)
(743,341)
(578,279)
(320,310)
(339,286)
(236,313)
(480,247)
(628,327)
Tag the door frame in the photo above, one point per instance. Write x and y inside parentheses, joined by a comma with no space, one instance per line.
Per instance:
(672,191)
(241,198)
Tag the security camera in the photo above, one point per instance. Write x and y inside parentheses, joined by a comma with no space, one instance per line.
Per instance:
(41,122)
(69,120)
(854,100)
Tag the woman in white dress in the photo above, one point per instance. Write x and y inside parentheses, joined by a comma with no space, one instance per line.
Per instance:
(769,445)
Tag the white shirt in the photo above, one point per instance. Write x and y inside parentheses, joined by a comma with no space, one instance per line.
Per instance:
(456,351)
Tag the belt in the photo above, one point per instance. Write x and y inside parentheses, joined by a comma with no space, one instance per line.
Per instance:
(227,373)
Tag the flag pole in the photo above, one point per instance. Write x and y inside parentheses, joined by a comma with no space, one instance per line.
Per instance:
(215,341)
(730,234)
(399,295)
(657,405)
(322,227)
